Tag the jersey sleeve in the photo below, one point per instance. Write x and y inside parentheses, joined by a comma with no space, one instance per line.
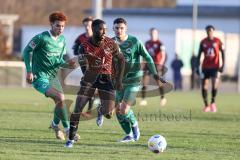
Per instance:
(143,52)
(82,60)
(32,45)
(64,52)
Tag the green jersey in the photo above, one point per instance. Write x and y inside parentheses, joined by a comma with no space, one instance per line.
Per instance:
(47,55)
(132,50)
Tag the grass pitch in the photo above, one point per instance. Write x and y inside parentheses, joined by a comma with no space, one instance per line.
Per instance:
(25,117)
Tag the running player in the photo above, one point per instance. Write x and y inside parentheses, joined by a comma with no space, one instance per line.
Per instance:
(48,49)
(210,47)
(132,50)
(98,53)
(87,23)
(157,51)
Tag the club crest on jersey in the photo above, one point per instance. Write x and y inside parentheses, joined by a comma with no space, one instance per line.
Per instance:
(32,45)
(107,50)
(128,50)
(214,45)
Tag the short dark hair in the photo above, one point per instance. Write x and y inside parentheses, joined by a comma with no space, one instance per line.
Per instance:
(209,27)
(120,20)
(97,22)
(57,16)
(152,29)
(87,19)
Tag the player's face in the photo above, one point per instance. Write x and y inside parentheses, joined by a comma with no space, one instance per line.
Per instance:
(88,26)
(58,27)
(210,32)
(120,30)
(154,35)
(99,31)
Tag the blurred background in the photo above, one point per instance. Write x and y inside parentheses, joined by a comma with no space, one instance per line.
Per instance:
(180,23)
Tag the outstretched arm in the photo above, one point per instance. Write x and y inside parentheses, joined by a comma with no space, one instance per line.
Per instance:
(199,57)
(120,66)
(26,55)
(223,58)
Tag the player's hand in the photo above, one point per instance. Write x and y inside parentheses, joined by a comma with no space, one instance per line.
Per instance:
(221,69)
(197,71)
(29,77)
(118,85)
(72,64)
(159,80)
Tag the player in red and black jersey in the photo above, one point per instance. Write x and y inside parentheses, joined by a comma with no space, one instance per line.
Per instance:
(97,54)
(210,47)
(157,51)
(87,23)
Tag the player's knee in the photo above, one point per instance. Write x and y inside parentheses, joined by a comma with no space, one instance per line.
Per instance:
(123,109)
(108,116)
(144,88)
(60,99)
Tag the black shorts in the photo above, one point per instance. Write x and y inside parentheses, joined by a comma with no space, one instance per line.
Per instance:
(210,73)
(160,69)
(102,82)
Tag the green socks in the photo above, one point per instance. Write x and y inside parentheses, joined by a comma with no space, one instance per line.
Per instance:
(61,114)
(126,121)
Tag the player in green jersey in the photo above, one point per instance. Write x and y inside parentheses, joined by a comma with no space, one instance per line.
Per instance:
(47,50)
(132,50)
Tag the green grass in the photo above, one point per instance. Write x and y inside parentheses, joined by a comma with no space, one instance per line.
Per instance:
(25,116)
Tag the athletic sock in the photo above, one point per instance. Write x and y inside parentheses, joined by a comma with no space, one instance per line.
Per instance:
(205,96)
(144,92)
(124,123)
(74,120)
(90,103)
(131,117)
(60,113)
(214,93)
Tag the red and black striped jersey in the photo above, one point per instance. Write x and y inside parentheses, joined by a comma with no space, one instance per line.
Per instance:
(99,58)
(81,38)
(155,49)
(211,49)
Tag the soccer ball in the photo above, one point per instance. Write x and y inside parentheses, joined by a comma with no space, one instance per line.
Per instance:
(157,143)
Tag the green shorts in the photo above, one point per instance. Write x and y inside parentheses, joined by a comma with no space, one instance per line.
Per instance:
(42,85)
(128,94)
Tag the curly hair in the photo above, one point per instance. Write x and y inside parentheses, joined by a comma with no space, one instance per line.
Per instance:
(57,16)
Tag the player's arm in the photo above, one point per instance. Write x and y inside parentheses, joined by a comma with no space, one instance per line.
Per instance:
(76,47)
(65,61)
(223,57)
(26,55)
(120,66)
(163,52)
(82,59)
(199,57)
(142,50)
(150,64)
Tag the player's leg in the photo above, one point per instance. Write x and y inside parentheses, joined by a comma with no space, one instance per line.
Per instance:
(215,82)
(43,86)
(205,94)
(107,98)
(86,91)
(125,114)
(161,71)
(145,81)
